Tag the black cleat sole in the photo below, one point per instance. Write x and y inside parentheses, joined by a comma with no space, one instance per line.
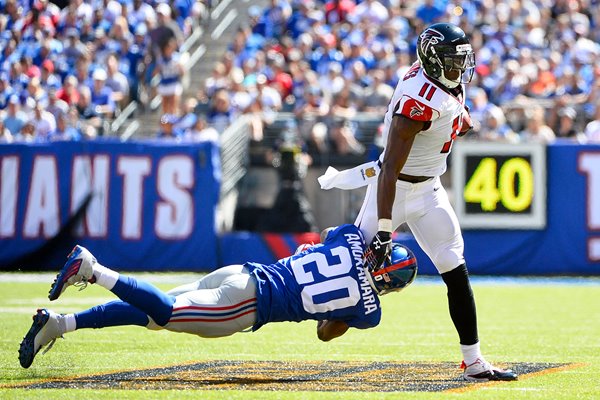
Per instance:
(26,349)
(507,375)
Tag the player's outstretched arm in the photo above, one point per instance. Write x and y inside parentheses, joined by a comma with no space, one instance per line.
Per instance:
(327,330)
(400,140)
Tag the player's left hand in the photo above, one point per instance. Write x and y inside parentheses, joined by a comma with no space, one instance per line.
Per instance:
(378,250)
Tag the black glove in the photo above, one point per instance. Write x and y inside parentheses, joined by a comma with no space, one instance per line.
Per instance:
(378,250)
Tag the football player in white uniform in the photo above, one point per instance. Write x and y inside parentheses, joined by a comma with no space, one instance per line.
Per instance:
(426,113)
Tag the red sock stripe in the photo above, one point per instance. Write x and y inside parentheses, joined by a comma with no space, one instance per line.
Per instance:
(212,308)
(212,319)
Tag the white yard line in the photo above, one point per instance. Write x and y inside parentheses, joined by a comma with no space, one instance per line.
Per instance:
(71,300)
(168,278)
(177,278)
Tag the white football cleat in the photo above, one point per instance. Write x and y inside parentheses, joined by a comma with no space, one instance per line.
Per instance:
(44,330)
(483,371)
(78,271)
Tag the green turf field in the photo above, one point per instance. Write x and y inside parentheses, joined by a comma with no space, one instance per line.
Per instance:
(522,322)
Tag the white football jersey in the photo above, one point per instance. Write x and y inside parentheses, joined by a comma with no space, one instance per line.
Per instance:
(420,98)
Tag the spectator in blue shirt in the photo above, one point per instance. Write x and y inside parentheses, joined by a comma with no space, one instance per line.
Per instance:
(102,98)
(132,60)
(83,71)
(64,131)
(87,113)
(14,13)
(328,53)
(430,11)
(358,52)
(15,118)
(6,90)
(183,10)
(27,134)
(275,17)
(5,135)
(219,114)
(74,49)
(87,35)
(139,13)
(9,55)
(299,21)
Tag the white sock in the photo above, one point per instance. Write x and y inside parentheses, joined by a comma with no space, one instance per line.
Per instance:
(471,353)
(69,323)
(105,277)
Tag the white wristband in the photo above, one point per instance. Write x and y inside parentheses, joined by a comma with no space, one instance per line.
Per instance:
(385,225)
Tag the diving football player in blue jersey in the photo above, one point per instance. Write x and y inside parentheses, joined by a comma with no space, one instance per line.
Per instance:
(325,282)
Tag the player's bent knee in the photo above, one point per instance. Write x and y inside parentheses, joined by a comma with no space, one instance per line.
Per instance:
(153,326)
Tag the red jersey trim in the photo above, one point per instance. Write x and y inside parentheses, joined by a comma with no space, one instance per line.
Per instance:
(416,110)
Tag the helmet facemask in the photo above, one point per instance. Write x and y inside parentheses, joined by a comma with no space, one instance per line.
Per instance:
(463,61)
(446,55)
(397,272)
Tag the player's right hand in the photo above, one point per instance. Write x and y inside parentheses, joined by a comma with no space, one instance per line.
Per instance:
(378,250)
(467,122)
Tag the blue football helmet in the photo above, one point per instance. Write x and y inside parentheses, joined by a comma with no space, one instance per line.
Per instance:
(396,273)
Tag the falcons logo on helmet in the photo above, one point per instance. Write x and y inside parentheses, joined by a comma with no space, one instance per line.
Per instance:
(430,38)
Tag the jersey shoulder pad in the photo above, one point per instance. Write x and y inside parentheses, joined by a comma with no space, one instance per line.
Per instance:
(415,109)
(419,98)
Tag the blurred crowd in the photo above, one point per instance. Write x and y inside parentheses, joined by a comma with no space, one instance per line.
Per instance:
(324,64)
(68,67)
(537,75)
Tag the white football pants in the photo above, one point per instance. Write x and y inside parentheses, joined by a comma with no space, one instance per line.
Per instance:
(426,209)
(220,304)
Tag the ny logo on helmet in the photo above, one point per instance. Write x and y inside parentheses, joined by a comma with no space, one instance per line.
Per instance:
(430,38)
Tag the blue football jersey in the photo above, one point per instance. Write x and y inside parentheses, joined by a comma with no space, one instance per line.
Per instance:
(326,281)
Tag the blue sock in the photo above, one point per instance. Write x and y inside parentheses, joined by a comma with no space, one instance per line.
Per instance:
(146,297)
(114,313)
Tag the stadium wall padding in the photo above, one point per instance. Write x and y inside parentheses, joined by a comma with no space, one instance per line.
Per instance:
(569,244)
(151,206)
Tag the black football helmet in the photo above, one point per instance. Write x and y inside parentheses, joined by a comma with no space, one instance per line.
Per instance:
(444,47)
(396,273)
